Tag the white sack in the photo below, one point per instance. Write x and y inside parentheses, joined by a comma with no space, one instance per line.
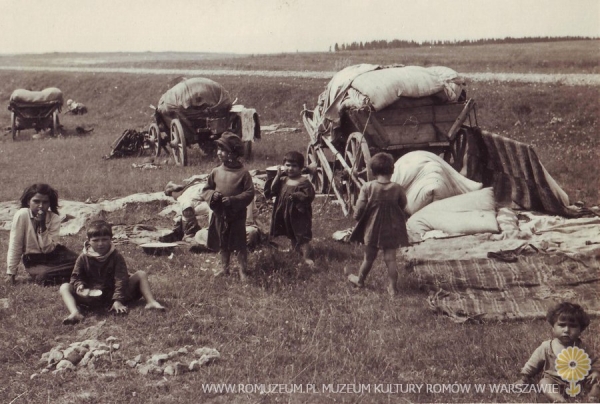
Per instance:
(426,177)
(470,213)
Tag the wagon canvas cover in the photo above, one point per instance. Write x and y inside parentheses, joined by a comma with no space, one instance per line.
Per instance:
(46,96)
(380,86)
(196,94)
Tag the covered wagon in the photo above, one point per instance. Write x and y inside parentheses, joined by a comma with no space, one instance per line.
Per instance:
(35,110)
(198,111)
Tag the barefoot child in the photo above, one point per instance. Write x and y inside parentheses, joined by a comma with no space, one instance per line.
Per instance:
(100,278)
(292,212)
(228,191)
(34,238)
(381,221)
(568,321)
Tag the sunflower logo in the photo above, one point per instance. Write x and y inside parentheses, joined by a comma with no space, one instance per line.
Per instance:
(573,365)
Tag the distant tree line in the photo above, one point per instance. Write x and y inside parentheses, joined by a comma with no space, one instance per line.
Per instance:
(399,43)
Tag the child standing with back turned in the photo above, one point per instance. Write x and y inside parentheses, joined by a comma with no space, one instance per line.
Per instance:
(381,221)
(292,213)
(228,191)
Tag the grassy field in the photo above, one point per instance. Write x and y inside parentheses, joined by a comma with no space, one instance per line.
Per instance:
(558,57)
(289,324)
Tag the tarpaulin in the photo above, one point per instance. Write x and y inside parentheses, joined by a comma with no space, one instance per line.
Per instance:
(47,95)
(197,93)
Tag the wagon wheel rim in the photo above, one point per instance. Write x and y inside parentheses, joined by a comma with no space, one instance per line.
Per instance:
(55,124)
(13,125)
(178,143)
(154,140)
(358,156)
(317,178)
(456,152)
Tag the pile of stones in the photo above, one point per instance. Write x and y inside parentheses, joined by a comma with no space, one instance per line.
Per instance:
(86,354)
(174,362)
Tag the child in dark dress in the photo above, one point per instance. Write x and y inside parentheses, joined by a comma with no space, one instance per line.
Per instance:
(381,221)
(292,213)
(228,191)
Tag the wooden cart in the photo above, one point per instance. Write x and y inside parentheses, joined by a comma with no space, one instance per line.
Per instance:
(35,110)
(340,155)
(184,117)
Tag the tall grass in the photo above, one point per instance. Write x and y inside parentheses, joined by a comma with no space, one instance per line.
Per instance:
(290,323)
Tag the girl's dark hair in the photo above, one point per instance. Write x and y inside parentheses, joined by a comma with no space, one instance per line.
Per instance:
(382,164)
(99,228)
(570,310)
(43,189)
(294,157)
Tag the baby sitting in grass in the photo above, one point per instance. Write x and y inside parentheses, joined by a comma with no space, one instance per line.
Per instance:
(568,321)
(100,278)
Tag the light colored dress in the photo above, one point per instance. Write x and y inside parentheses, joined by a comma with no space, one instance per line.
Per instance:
(380,214)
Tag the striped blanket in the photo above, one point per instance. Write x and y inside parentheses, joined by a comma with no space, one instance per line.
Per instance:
(516,174)
(483,289)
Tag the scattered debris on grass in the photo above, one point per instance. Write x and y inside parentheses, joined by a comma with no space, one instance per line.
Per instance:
(85,355)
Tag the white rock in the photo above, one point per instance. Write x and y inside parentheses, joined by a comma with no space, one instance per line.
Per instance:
(207,351)
(65,364)
(73,355)
(99,352)
(131,363)
(55,356)
(116,346)
(111,339)
(159,359)
(169,370)
(33,376)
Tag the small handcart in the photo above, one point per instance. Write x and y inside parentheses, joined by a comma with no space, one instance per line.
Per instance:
(35,110)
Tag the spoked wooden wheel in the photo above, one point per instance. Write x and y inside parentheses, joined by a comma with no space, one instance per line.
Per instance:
(154,140)
(13,125)
(358,156)
(178,143)
(456,153)
(316,173)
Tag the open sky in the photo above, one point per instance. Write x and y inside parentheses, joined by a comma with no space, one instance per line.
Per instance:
(272,26)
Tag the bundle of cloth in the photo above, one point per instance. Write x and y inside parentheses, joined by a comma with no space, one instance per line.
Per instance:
(47,95)
(196,94)
(426,177)
(376,87)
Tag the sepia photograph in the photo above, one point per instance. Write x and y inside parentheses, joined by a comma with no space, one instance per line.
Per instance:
(300,201)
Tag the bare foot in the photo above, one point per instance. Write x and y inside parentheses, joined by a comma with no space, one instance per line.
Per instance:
(309,262)
(355,280)
(73,319)
(221,272)
(154,306)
